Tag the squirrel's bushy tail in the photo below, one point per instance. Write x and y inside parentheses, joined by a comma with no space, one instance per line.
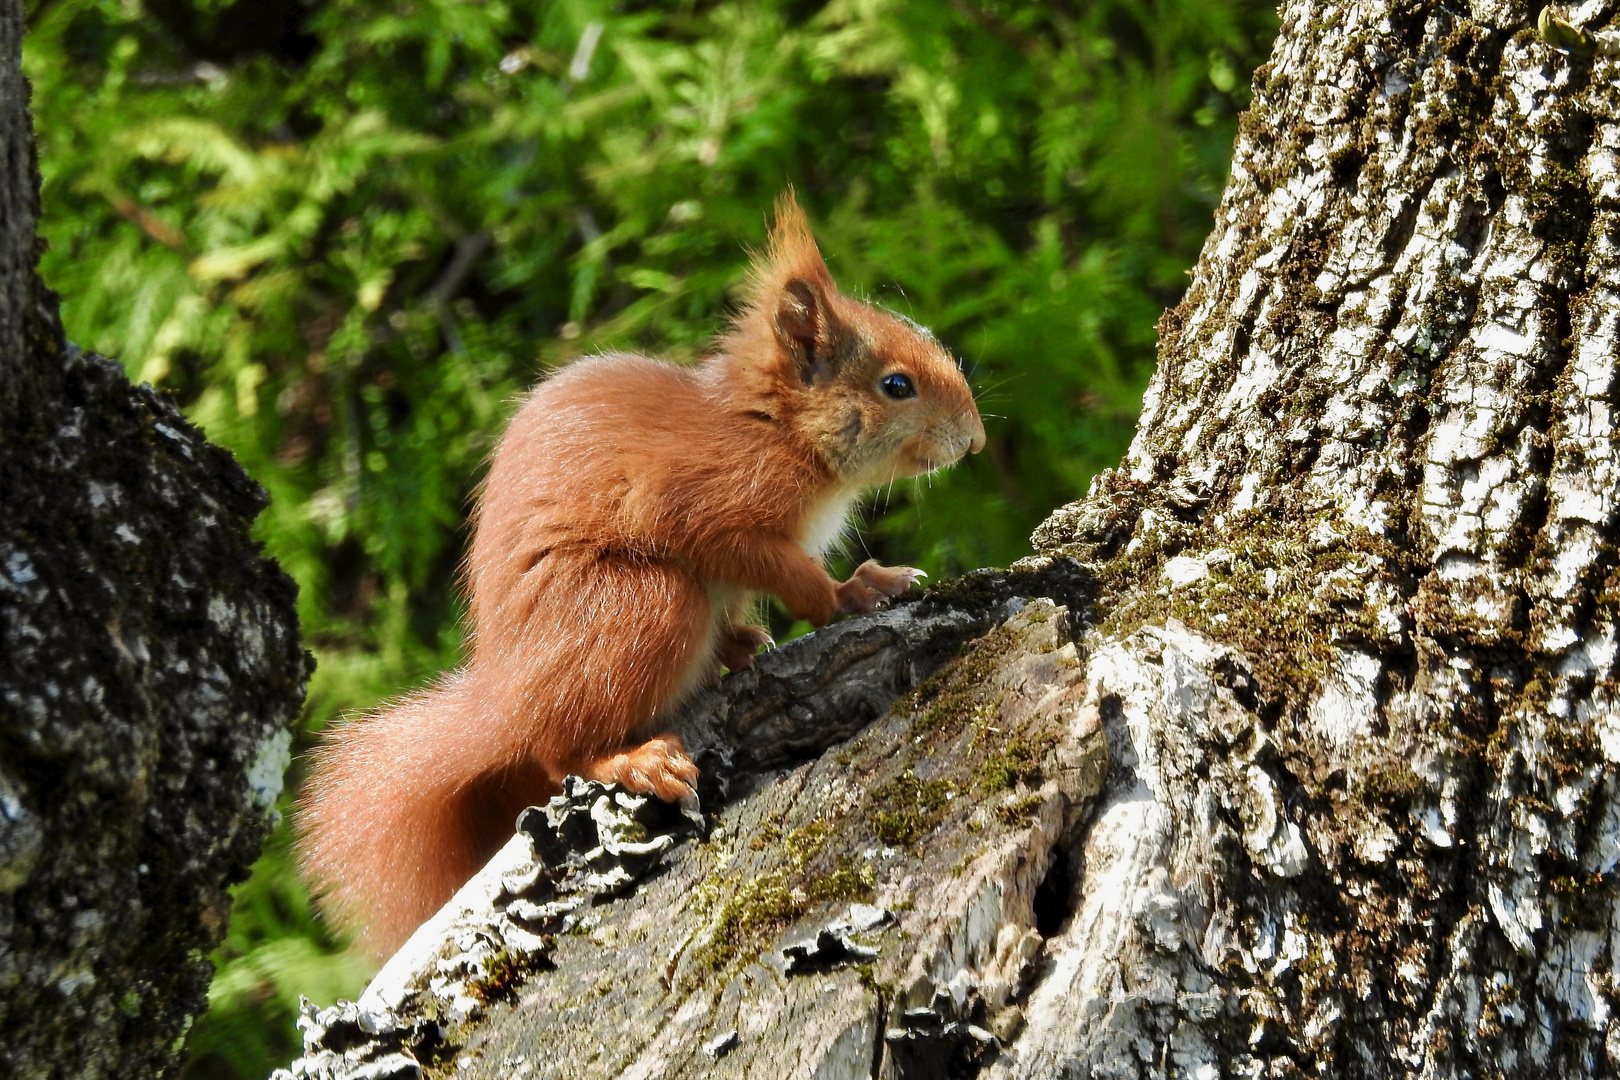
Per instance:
(397,811)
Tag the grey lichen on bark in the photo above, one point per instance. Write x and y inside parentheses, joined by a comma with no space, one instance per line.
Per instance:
(1342,626)
(150,671)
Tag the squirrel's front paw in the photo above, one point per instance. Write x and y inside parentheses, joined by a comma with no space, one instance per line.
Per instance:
(871,584)
(658,767)
(738,644)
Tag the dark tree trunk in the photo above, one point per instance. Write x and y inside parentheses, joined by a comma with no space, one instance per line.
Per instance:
(1307,767)
(30,336)
(149,672)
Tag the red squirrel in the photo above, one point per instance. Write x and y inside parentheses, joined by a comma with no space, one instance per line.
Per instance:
(632,511)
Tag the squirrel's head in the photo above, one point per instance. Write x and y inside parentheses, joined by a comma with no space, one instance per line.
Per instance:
(873,393)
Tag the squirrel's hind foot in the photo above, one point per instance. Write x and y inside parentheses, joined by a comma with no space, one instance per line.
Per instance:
(657,767)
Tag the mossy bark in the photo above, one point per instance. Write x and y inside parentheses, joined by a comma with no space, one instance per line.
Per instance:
(1358,615)
(941,820)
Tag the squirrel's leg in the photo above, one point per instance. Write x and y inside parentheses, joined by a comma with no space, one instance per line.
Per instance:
(642,637)
(766,562)
(738,643)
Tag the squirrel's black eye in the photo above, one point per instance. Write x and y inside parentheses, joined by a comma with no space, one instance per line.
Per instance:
(898,386)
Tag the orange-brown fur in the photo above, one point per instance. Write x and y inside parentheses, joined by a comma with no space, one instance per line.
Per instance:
(631,510)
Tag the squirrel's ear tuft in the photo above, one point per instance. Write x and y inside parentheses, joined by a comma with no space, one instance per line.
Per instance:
(793,251)
(791,288)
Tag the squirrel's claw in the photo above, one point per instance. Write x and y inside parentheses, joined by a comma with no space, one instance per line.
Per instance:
(738,645)
(692,809)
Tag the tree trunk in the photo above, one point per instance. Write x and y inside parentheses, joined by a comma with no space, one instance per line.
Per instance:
(1305,767)
(28,324)
(1360,624)
(149,674)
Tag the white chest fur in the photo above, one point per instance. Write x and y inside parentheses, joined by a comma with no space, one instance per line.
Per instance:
(825,523)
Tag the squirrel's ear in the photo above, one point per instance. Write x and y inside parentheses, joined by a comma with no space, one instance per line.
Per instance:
(801,327)
(796,286)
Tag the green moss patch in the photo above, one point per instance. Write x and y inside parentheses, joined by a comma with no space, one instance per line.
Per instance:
(909,807)
(1019,812)
(504,973)
(915,773)
(1017,761)
(1285,592)
(767,904)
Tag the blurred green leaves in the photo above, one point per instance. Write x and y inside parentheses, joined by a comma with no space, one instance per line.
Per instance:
(274,952)
(347,234)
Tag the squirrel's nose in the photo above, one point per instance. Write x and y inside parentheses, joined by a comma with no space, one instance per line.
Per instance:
(978,435)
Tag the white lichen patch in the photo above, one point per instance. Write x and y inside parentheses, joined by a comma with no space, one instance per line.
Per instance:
(268,769)
(1185,570)
(20,568)
(1347,707)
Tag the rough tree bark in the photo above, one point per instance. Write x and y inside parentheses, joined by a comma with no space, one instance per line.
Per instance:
(149,673)
(1306,763)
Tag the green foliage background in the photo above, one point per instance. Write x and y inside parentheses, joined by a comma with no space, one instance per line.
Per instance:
(346,233)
